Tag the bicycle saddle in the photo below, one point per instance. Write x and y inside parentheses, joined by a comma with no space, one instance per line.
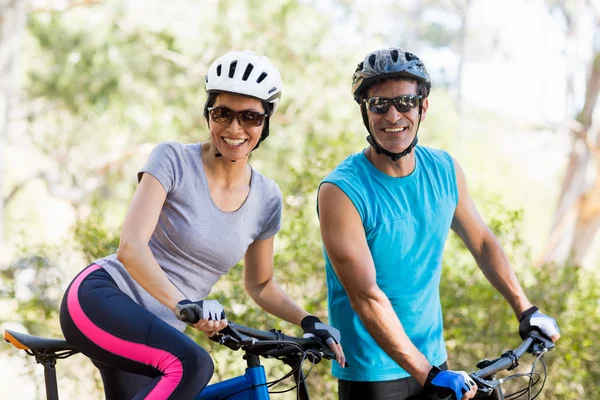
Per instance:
(26,342)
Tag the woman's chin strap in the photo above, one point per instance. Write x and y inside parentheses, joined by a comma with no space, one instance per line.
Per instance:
(217,154)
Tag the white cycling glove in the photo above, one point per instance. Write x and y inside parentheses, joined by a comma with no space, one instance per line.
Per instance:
(211,310)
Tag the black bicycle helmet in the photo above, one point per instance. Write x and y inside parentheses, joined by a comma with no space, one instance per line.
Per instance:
(383,64)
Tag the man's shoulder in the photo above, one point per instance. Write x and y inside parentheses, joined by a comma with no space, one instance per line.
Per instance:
(346,168)
(432,151)
(432,154)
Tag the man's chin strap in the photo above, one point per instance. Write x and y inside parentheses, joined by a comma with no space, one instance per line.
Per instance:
(381,150)
(393,156)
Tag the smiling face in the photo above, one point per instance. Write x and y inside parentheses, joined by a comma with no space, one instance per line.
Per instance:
(393,130)
(232,140)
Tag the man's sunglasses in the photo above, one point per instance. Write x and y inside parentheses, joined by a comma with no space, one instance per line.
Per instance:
(404,103)
(246,118)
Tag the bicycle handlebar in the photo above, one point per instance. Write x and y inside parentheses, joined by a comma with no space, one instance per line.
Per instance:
(534,343)
(268,344)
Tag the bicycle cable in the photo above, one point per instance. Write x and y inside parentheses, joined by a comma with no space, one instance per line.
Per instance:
(296,368)
(545,373)
(532,382)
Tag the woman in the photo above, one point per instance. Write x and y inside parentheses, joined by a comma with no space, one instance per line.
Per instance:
(197,211)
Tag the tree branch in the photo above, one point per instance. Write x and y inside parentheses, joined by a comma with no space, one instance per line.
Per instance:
(67,6)
(20,186)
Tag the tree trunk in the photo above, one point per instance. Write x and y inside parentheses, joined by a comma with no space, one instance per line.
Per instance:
(577,216)
(463,11)
(588,218)
(12,25)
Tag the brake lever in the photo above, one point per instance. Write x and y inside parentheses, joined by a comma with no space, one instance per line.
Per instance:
(231,338)
(485,386)
(540,344)
(324,351)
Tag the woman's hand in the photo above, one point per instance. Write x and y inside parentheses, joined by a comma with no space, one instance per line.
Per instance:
(313,326)
(205,315)
(210,327)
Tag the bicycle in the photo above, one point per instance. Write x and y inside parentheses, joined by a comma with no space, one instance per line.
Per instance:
(253,385)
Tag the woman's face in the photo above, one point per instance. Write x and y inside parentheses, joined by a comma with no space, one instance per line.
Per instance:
(236,123)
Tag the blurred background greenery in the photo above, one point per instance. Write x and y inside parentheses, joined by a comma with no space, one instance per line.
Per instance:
(89,87)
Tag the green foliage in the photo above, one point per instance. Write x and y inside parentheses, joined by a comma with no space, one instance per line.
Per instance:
(93,238)
(480,324)
(31,288)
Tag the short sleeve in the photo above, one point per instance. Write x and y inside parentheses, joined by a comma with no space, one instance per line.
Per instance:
(165,164)
(273,213)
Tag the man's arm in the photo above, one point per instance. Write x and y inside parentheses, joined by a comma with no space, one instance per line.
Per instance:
(483,244)
(346,244)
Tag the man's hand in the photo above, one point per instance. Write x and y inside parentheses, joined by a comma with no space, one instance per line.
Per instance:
(533,320)
(456,385)
(313,327)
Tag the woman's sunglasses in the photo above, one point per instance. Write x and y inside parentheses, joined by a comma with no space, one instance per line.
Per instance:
(246,118)
(404,103)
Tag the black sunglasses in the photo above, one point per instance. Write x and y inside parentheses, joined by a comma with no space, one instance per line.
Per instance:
(404,103)
(246,118)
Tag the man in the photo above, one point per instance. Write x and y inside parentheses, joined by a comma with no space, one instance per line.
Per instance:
(385,214)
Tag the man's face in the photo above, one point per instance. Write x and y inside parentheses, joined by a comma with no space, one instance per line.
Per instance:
(395,130)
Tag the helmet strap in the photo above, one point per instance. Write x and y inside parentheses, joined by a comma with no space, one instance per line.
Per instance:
(378,148)
(217,154)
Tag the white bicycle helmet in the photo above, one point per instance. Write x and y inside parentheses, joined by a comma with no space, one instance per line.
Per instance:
(245,72)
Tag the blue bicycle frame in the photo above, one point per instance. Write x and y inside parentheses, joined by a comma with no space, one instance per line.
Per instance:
(250,386)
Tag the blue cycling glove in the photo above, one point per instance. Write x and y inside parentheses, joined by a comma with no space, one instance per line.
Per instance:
(533,320)
(313,326)
(448,384)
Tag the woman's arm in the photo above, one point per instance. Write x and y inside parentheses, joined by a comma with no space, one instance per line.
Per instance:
(266,292)
(262,287)
(134,252)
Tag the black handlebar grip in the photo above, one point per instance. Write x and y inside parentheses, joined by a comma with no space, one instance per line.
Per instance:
(189,315)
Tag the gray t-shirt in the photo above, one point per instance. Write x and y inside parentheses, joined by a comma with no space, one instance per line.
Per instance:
(194,241)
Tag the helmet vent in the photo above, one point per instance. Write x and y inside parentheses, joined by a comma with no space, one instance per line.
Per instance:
(394,54)
(372,60)
(232,67)
(409,56)
(274,88)
(247,72)
(261,77)
(219,70)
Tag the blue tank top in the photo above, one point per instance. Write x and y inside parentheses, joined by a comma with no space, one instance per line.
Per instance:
(406,222)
